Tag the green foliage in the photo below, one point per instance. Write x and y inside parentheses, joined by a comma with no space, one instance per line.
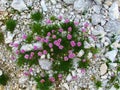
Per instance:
(83,64)
(43,86)
(3,79)
(37,16)
(98,84)
(10,25)
(53,18)
(1,37)
(116,85)
(29,38)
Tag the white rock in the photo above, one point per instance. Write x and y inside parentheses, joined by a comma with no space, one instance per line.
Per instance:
(112,88)
(69,1)
(96,8)
(53,1)
(1,72)
(44,7)
(66,86)
(81,52)
(82,5)
(86,44)
(90,55)
(75,62)
(103,69)
(114,11)
(99,1)
(45,64)
(43,57)
(113,26)
(9,37)
(111,55)
(104,76)
(19,5)
(69,78)
(27,47)
(115,45)
(38,44)
(112,65)
(23,79)
(73,73)
(96,18)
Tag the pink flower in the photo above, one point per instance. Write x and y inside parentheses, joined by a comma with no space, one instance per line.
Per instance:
(65,58)
(56,43)
(59,75)
(82,70)
(42,40)
(24,36)
(53,31)
(69,36)
(59,40)
(44,52)
(86,24)
(52,79)
(30,70)
(42,80)
(50,45)
(38,38)
(72,43)
(39,53)
(84,60)
(60,17)
(15,44)
(71,55)
(70,51)
(32,54)
(26,73)
(76,23)
(79,44)
(48,21)
(67,21)
(17,51)
(61,47)
(60,30)
(35,47)
(48,34)
(54,36)
(22,51)
(46,40)
(26,56)
(83,30)
(70,29)
(12,57)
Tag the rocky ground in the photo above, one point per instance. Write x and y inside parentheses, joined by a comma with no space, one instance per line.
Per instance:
(104,18)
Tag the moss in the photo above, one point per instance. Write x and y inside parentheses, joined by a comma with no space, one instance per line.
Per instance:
(1,37)
(37,16)
(3,79)
(98,84)
(10,25)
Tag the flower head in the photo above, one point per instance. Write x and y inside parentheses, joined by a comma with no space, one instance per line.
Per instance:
(48,21)
(52,79)
(60,17)
(79,44)
(60,30)
(61,47)
(54,36)
(76,23)
(69,36)
(72,43)
(69,29)
(71,55)
(48,34)
(38,38)
(26,56)
(50,45)
(24,36)
(35,47)
(44,52)
(86,24)
(39,53)
(65,58)
(42,80)
(22,51)
(67,21)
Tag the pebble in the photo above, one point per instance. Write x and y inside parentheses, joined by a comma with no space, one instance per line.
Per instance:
(103,69)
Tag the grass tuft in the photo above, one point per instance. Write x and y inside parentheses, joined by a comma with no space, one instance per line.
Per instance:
(10,25)
(1,37)
(37,16)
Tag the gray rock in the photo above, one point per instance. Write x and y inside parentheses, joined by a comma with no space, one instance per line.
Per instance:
(111,55)
(82,5)
(45,64)
(69,1)
(23,79)
(99,1)
(96,18)
(114,11)
(103,69)
(44,7)
(19,5)
(113,26)
(9,37)
(96,8)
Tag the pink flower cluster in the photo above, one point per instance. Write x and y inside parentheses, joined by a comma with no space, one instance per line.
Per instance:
(58,43)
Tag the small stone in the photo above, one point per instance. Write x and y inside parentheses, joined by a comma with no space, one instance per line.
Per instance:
(112,65)
(1,72)
(96,9)
(86,45)
(81,52)
(9,37)
(111,55)
(114,11)
(69,1)
(45,64)
(19,5)
(99,1)
(69,78)
(53,1)
(112,88)
(23,79)
(96,18)
(82,5)
(66,86)
(43,5)
(103,69)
